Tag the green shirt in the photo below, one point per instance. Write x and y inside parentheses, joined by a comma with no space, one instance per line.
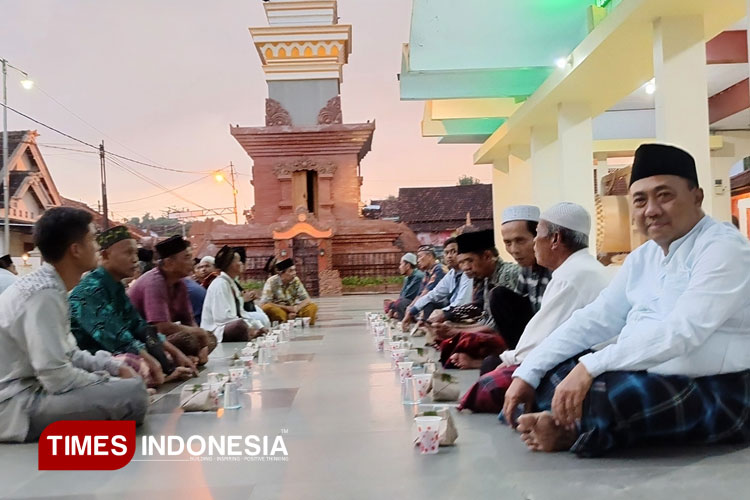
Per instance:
(102,316)
(291,294)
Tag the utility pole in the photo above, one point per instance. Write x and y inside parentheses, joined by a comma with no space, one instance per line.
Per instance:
(6,167)
(105,213)
(234,192)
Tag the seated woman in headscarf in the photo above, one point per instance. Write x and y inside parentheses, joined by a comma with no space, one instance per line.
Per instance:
(224,313)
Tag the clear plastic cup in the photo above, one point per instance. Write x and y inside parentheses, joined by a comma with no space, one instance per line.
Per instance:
(264,355)
(408,392)
(231,396)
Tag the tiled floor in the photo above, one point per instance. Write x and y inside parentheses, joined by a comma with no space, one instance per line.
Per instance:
(336,403)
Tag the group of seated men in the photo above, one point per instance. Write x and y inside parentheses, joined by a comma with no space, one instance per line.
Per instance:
(576,360)
(75,343)
(572,360)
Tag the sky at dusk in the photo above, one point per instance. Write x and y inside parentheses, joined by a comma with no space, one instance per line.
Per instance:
(160,81)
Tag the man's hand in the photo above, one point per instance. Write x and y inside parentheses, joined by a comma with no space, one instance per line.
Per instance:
(443,331)
(518,393)
(465,362)
(126,372)
(154,368)
(179,373)
(437,316)
(567,403)
(406,321)
(249,295)
(181,360)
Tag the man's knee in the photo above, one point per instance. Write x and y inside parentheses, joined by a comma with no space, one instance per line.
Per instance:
(133,394)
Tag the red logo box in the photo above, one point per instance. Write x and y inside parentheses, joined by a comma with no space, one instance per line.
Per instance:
(87,445)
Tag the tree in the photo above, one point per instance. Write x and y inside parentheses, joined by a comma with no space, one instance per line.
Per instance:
(160,225)
(467,180)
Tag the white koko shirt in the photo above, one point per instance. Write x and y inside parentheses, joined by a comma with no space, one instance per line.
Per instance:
(220,307)
(686,313)
(575,284)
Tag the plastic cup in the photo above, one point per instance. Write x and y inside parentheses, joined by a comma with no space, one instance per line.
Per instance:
(408,392)
(379,343)
(264,356)
(235,374)
(397,356)
(428,432)
(394,346)
(306,322)
(422,384)
(231,396)
(213,378)
(430,367)
(404,370)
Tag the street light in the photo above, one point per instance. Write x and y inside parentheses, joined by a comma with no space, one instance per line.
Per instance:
(220,178)
(27,84)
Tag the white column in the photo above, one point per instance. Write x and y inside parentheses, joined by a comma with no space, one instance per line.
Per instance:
(545,167)
(511,185)
(577,159)
(681,93)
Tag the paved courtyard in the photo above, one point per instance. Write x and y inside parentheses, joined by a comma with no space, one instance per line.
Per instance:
(336,402)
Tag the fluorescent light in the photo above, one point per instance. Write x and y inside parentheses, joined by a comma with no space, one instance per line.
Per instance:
(650,87)
(561,62)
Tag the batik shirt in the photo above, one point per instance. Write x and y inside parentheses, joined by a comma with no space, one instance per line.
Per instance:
(291,294)
(102,316)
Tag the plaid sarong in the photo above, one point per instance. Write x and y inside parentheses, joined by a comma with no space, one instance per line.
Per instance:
(477,345)
(488,393)
(624,409)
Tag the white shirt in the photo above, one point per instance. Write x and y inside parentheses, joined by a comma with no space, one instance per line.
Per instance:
(686,313)
(220,307)
(444,291)
(575,284)
(38,354)
(7,278)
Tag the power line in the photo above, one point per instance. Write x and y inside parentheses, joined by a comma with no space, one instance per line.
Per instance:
(157,184)
(152,165)
(160,194)
(97,147)
(159,167)
(50,127)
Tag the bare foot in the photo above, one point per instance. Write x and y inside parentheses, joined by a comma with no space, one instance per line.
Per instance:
(465,362)
(540,433)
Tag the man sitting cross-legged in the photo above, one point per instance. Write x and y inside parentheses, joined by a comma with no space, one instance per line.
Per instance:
(454,289)
(482,339)
(407,266)
(561,245)
(44,376)
(161,297)
(285,297)
(511,307)
(224,313)
(103,318)
(679,310)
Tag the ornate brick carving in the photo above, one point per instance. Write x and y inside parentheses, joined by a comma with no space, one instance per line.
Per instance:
(323,167)
(331,113)
(329,283)
(276,114)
